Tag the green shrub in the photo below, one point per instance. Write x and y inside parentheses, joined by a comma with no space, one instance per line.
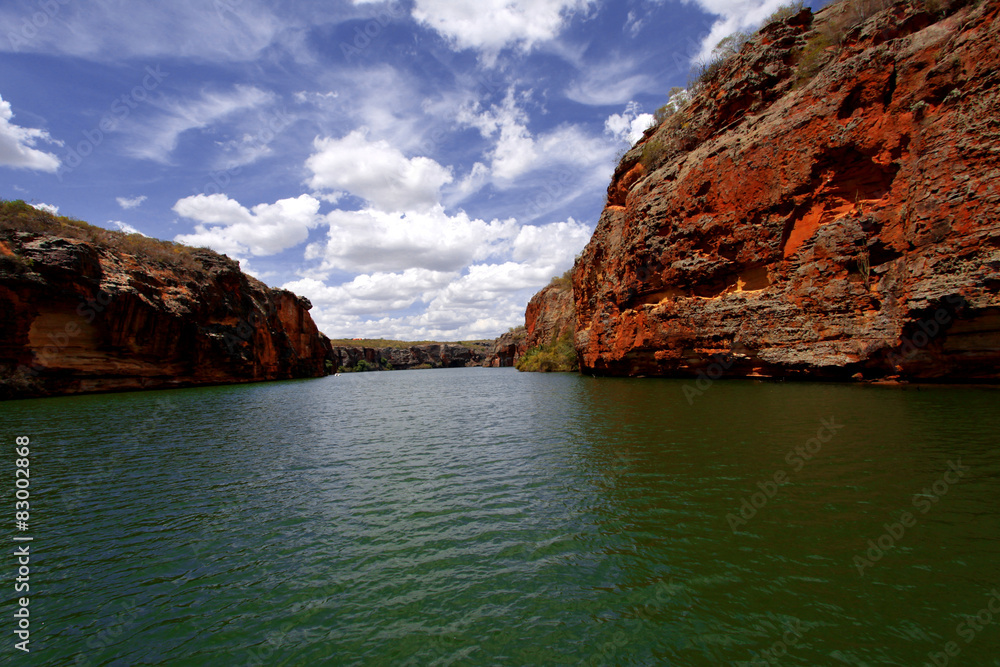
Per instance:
(812,58)
(654,153)
(558,356)
(564,282)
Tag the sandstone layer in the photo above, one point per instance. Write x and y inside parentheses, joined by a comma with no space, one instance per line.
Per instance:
(825,206)
(80,316)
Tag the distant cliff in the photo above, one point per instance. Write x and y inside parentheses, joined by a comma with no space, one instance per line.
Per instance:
(89,310)
(410,356)
(824,205)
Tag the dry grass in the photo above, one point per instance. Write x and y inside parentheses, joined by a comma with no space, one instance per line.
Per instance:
(784,12)
(22,217)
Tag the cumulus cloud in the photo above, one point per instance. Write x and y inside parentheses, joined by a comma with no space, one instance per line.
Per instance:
(125,227)
(629,125)
(477,299)
(377,172)
(17,144)
(376,293)
(375,240)
(130,202)
(48,208)
(226,226)
(517,152)
(491,25)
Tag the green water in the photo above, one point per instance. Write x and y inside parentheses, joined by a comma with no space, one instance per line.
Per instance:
(487,517)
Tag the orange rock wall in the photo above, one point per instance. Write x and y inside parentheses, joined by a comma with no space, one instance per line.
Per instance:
(827,227)
(82,318)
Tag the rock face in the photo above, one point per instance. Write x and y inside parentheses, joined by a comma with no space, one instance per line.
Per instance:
(432,355)
(549,315)
(508,348)
(82,317)
(815,211)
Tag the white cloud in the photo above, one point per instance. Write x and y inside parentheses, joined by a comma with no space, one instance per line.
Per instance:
(517,152)
(226,226)
(48,208)
(611,82)
(733,16)
(130,202)
(478,299)
(491,25)
(125,227)
(377,172)
(630,125)
(156,137)
(17,144)
(373,294)
(223,30)
(550,246)
(633,23)
(374,240)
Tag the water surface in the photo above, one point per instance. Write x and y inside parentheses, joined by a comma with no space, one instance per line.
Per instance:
(487,517)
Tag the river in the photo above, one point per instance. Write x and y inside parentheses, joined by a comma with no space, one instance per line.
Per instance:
(489,517)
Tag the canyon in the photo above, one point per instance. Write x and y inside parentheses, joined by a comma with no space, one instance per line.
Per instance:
(823,207)
(87,310)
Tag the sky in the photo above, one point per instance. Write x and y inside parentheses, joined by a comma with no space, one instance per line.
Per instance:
(418,168)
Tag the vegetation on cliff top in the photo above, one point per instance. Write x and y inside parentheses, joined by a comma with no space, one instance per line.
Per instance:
(19,216)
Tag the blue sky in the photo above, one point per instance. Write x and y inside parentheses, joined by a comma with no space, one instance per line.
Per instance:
(417,168)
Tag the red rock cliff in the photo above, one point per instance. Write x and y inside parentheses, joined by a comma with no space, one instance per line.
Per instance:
(825,206)
(82,316)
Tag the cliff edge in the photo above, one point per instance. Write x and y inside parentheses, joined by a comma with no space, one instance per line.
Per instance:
(823,205)
(89,310)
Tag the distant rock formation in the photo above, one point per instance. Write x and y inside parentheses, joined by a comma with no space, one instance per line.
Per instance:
(825,206)
(88,310)
(425,355)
